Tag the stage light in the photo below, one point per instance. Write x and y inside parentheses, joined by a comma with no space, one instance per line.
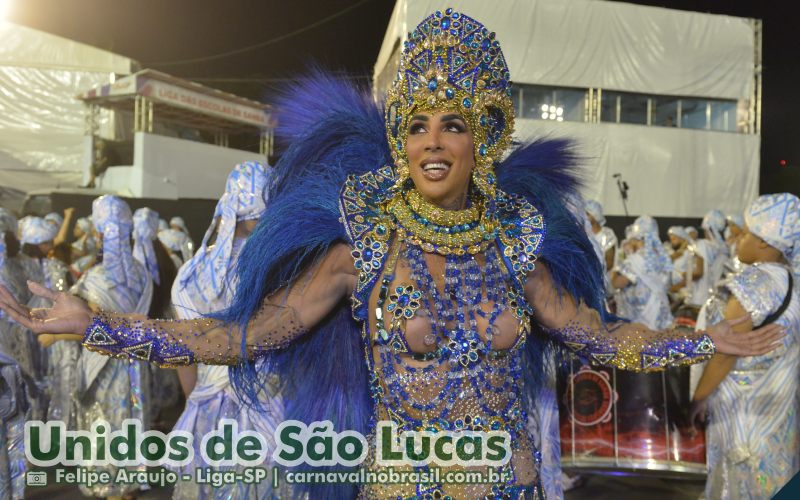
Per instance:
(782,163)
(545,116)
(559,111)
(560,119)
(5,8)
(544,107)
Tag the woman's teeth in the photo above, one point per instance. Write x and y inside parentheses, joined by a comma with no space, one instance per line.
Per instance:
(435,166)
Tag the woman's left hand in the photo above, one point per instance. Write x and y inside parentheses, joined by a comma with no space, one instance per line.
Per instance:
(752,343)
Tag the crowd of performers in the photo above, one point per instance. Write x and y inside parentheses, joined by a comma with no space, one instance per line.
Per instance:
(469,278)
(742,263)
(131,263)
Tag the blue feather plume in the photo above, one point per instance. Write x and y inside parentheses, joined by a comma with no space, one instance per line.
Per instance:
(332,130)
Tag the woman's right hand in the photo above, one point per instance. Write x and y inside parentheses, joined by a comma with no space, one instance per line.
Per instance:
(67,319)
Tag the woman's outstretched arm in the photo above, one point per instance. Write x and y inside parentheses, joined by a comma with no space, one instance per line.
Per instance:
(634,346)
(283,316)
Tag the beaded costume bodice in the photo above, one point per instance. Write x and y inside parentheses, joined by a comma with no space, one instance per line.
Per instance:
(443,332)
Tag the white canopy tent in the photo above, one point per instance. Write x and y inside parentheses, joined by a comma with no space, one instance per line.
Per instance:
(594,44)
(42,124)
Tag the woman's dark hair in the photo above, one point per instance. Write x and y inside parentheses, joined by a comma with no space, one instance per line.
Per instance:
(62,252)
(32,250)
(12,244)
(162,293)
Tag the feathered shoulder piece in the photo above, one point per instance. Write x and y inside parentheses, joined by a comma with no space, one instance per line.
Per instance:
(330,131)
(545,174)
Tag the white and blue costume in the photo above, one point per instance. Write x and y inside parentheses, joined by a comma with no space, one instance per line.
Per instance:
(714,252)
(203,286)
(113,389)
(57,364)
(649,270)
(14,383)
(752,436)
(606,238)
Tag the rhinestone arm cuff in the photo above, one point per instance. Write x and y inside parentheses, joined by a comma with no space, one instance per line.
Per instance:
(171,343)
(631,346)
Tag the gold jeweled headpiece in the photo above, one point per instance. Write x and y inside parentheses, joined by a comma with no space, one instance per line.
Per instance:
(452,62)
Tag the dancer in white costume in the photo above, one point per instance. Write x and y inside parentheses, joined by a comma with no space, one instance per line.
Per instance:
(642,277)
(14,390)
(679,244)
(734,233)
(752,436)
(709,256)
(164,384)
(58,364)
(175,242)
(187,249)
(204,285)
(603,234)
(113,389)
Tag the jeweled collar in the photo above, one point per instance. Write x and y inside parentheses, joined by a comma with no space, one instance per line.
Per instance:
(446,232)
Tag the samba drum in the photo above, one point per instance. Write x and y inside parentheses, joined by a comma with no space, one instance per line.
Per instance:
(624,422)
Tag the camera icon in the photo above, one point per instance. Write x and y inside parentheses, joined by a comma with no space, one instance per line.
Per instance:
(37,478)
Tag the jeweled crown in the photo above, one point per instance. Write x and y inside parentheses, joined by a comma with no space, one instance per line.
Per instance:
(452,62)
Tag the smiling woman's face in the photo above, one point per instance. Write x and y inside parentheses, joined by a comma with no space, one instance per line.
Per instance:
(441,157)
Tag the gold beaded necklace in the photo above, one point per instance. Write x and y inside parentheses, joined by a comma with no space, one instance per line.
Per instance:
(445,232)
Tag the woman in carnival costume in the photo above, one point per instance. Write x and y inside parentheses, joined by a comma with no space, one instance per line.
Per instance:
(57,364)
(678,246)
(187,249)
(205,284)
(733,232)
(603,234)
(708,259)
(15,384)
(643,277)
(175,242)
(458,267)
(113,389)
(753,442)
(84,248)
(148,251)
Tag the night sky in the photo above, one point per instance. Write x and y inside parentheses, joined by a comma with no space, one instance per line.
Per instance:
(178,36)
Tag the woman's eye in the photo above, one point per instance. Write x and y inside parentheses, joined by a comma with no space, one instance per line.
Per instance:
(416,128)
(455,127)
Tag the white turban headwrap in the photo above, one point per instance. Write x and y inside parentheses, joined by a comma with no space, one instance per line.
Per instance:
(145,230)
(736,220)
(172,239)
(178,221)
(646,229)
(714,224)
(680,232)
(56,218)
(595,209)
(84,224)
(244,198)
(112,218)
(775,218)
(36,230)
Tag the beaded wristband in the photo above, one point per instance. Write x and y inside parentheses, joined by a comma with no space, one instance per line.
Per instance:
(635,351)
(132,340)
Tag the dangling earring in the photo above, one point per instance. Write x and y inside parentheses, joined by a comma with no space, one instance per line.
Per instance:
(484,179)
(403,174)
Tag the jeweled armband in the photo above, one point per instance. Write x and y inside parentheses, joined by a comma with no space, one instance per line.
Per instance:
(628,347)
(121,338)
